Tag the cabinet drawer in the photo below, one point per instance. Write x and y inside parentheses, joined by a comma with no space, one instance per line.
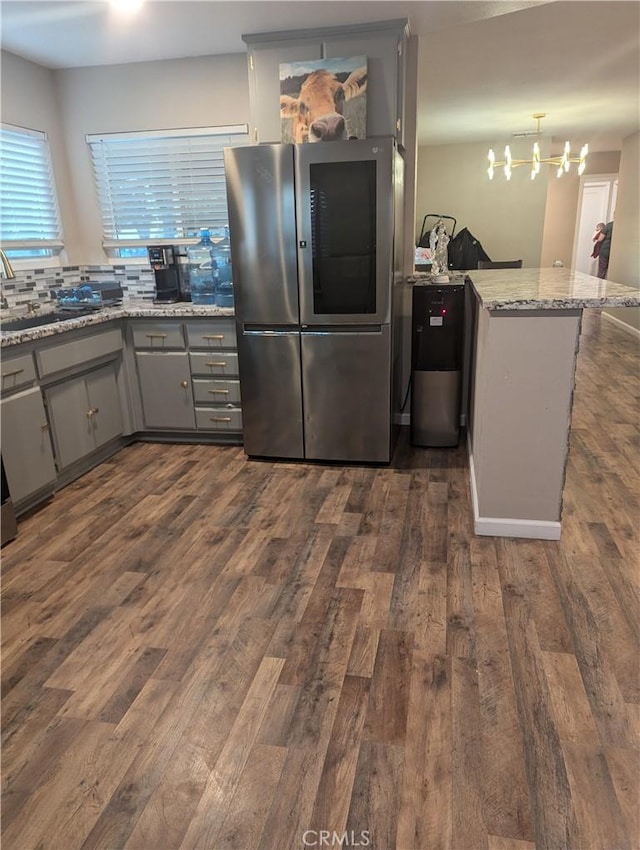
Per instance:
(158,335)
(212,391)
(219,418)
(212,335)
(214,363)
(79,351)
(17,371)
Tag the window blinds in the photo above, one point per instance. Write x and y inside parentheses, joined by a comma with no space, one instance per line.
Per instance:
(29,217)
(162,185)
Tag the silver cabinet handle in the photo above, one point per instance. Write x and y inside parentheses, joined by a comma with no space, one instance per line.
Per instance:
(213,336)
(92,412)
(212,363)
(156,336)
(219,392)
(221,419)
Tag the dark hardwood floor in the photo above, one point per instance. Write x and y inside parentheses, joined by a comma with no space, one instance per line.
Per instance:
(201,651)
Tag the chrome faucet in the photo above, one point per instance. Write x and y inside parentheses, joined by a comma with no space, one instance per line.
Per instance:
(5,268)
(32,306)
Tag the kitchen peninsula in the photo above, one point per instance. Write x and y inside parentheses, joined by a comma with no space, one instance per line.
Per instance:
(525,339)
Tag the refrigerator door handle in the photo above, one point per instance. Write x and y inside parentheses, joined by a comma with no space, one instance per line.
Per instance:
(323,330)
(261,330)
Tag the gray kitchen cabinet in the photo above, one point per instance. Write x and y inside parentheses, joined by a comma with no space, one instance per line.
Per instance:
(264,83)
(213,359)
(385,72)
(384,44)
(85,414)
(165,389)
(26,445)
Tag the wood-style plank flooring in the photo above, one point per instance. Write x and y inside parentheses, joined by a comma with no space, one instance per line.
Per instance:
(206,652)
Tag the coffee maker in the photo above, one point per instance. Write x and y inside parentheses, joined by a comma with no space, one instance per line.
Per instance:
(169,264)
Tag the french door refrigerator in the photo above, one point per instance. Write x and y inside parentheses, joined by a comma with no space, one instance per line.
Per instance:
(312,247)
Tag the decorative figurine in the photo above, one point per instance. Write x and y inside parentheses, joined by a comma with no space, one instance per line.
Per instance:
(438,241)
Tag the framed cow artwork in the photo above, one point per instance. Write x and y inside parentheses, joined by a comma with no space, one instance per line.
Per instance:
(323,100)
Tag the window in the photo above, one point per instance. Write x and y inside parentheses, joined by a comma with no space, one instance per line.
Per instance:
(161,186)
(29,217)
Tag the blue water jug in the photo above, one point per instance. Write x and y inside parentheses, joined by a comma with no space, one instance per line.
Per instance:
(201,273)
(222,269)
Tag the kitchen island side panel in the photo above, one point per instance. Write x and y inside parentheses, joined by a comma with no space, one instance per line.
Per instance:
(523,392)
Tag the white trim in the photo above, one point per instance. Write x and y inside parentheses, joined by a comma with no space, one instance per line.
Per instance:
(611,179)
(226,130)
(504,526)
(14,128)
(622,325)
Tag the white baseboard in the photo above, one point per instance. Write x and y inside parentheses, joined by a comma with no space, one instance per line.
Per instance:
(505,526)
(622,325)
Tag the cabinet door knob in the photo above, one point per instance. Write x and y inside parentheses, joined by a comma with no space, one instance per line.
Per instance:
(184,384)
(92,411)
(45,427)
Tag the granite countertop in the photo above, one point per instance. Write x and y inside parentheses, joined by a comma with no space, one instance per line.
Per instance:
(548,289)
(497,289)
(130,309)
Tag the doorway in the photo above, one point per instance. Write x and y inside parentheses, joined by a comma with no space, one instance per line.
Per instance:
(596,202)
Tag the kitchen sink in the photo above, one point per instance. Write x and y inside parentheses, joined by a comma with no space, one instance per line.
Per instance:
(38,321)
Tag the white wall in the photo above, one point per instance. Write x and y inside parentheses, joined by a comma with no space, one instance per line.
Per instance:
(562,207)
(507,217)
(68,104)
(29,98)
(624,264)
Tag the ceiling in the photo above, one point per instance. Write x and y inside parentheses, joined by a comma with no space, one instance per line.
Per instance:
(484,68)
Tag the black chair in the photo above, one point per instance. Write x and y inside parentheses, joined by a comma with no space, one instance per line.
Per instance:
(503,264)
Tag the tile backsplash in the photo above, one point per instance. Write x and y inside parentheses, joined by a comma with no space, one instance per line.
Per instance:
(137,281)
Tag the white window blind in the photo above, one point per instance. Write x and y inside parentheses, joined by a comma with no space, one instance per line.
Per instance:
(162,185)
(29,217)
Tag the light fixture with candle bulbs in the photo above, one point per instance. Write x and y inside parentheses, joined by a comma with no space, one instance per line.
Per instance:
(561,163)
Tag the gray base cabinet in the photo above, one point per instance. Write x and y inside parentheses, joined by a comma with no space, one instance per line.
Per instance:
(85,414)
(26,445)
(194,387)
(71,399)
(165,388)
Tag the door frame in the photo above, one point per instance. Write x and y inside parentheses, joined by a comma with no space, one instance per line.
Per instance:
(585,179)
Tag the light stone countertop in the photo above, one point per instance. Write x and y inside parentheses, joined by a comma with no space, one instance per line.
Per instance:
(548,289)
(130,309)
(497,290)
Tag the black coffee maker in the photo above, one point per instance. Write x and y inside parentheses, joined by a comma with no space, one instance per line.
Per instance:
(169,267)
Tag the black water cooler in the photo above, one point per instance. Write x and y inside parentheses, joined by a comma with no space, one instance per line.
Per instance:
(437,351)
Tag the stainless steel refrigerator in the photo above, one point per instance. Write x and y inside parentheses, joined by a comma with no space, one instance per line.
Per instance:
(312,232)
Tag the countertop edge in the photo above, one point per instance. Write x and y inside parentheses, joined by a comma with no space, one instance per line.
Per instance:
(110,314)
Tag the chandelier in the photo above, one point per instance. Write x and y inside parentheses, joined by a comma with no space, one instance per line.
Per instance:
(562,163)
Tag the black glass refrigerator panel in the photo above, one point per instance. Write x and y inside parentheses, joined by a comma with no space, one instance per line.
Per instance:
(343,233)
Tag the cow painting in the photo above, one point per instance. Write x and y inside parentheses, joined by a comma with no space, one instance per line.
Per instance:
(317,113)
